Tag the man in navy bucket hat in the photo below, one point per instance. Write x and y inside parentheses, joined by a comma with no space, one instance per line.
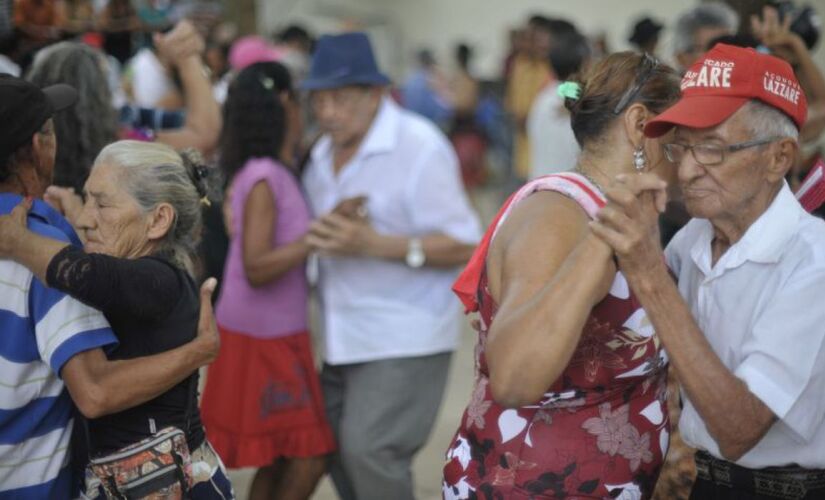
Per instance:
(394,225)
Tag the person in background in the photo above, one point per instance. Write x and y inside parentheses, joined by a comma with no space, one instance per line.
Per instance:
(553,147)
(262,403)
(696,27)
(741,323)
(394,224)
(86,128)
(465,134)
(645,35)
(296,44)
(426,91)
(529,73)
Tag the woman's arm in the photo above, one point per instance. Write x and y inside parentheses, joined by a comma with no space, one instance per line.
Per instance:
(262,263)
(183,46)
(144,288)
(546,273)
(101,387)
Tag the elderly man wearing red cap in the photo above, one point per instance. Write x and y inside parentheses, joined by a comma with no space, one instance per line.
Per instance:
(743,326)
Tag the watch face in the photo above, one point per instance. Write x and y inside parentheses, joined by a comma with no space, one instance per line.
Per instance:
(415,257)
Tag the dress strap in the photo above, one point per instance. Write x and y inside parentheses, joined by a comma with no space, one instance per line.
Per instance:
(571,184)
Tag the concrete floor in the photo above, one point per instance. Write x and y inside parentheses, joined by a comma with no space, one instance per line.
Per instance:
(430,460)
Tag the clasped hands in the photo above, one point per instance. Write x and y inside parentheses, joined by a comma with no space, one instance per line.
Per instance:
(344,232)
(629,223)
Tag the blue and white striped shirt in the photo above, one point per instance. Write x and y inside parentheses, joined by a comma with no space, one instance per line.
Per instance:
(40,330)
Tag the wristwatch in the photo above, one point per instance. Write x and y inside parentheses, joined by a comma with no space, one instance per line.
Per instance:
(415,253)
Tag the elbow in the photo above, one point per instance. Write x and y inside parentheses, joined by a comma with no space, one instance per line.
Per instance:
(733,448)
(92,402)
(255,278)
(509,391)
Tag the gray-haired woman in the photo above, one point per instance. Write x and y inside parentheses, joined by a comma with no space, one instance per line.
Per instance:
(139,221)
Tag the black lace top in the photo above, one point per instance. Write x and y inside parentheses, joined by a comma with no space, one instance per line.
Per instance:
(152,307)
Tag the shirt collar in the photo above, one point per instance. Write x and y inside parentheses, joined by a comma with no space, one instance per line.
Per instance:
(42,211)
(763,242)
(381,137)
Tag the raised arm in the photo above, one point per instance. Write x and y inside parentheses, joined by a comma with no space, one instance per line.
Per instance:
(183,46)
(546,273)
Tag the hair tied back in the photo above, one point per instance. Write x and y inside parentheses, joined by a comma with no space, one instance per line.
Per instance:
(569,90)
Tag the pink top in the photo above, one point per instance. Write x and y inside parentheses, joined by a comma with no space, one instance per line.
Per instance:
(278,308)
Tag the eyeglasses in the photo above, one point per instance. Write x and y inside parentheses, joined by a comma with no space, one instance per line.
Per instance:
(646,68)
(708,154)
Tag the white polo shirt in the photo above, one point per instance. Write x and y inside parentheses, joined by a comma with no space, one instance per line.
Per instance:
(376,309)
(761,308)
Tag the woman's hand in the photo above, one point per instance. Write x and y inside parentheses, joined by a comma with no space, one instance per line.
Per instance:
(630,222)
(208,338)
(13,229)
(777,35)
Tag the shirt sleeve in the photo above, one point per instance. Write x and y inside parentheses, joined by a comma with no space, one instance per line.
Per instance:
(437,199)
(784,357)
(145,288)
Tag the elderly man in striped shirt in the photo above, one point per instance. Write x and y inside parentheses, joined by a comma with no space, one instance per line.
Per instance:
(52,347)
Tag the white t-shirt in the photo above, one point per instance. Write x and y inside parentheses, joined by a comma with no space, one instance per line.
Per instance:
(378,309)
(761,309)
(553,147)
(150,81)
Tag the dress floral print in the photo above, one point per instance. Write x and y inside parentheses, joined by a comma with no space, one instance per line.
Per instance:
(600,431)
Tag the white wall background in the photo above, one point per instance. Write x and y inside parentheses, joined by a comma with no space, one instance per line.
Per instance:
(399,27)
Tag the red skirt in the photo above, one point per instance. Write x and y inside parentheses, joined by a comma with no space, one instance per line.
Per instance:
(263,401)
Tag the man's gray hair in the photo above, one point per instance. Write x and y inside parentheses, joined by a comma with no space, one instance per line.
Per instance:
(709,15)
(154,173)
(767,121)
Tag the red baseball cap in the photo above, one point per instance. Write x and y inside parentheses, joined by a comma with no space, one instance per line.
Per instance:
(727,77)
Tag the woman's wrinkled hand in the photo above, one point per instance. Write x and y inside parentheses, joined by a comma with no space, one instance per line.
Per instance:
(629,223)
(13,228)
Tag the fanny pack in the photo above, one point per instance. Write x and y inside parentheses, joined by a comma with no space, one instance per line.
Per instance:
(156,467)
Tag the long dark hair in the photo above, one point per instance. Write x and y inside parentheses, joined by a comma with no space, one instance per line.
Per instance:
(254,118)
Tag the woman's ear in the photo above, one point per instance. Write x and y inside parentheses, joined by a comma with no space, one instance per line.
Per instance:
(635,119)
(160,222)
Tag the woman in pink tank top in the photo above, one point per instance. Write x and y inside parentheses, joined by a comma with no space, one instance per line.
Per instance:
(569,400)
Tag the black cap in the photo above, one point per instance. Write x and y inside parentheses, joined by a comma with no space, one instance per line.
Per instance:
(644,30)
(24,108)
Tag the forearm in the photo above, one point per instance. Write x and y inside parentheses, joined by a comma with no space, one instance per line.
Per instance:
(735,417)
(35,252)
(203,115)
(272,265)
(530,346)
(440,250)
(103,387)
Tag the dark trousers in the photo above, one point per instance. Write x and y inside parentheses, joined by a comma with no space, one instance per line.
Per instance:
(722,480)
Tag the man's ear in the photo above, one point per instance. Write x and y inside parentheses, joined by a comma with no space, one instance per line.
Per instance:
(784,155)
(160,222)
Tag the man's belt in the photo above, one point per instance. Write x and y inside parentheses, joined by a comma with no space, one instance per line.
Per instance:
(791,482)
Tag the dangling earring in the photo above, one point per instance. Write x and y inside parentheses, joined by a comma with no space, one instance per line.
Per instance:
(639,159)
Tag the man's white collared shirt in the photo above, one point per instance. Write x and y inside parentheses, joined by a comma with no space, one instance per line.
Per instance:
(376,309)
(761,308)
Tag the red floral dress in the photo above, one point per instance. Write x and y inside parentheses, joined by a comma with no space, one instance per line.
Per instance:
(600,431)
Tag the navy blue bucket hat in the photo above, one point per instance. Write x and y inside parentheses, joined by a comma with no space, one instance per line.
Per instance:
(341,60)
